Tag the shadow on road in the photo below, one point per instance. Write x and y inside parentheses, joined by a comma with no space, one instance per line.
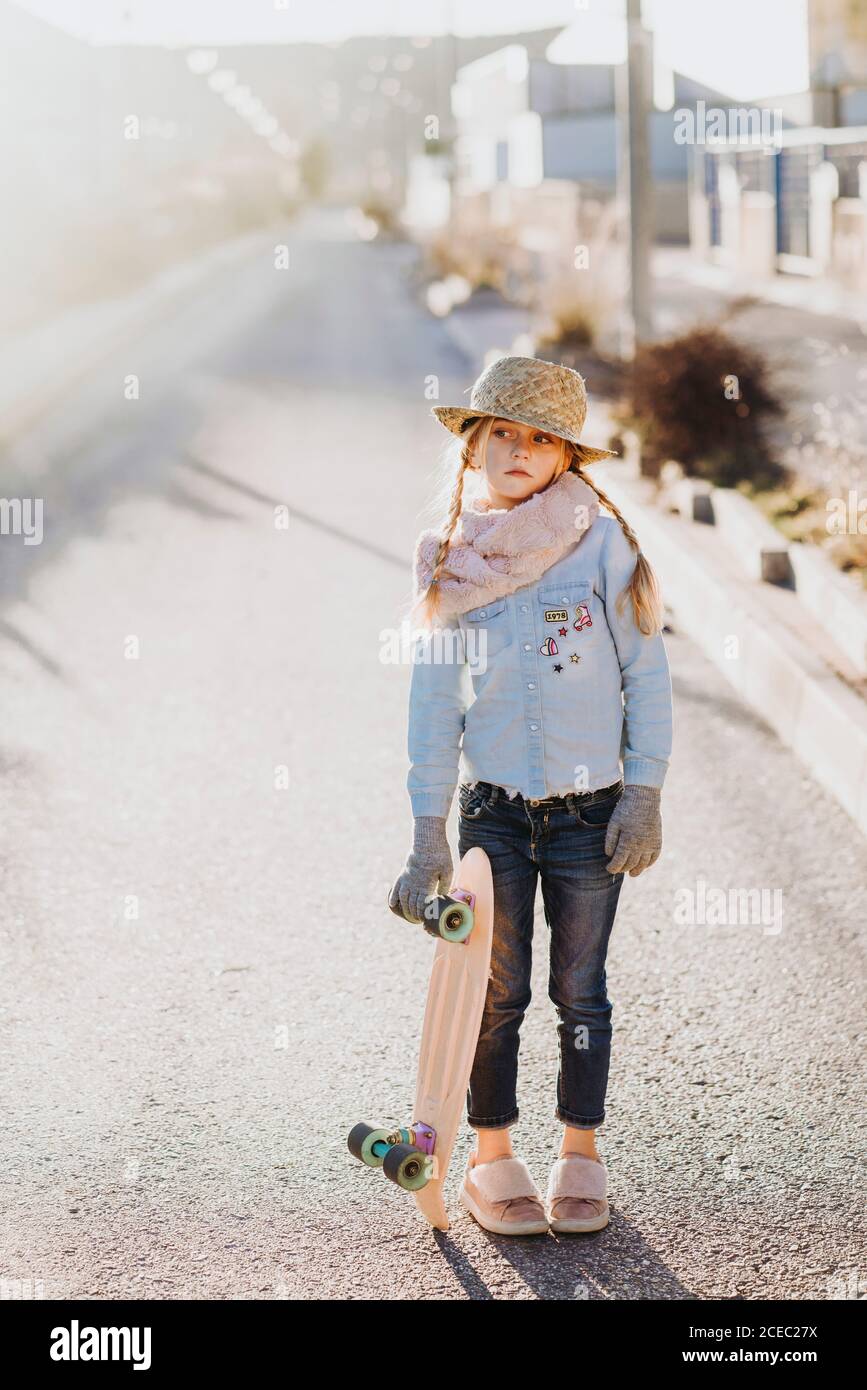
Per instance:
(579,1268)
(256,495)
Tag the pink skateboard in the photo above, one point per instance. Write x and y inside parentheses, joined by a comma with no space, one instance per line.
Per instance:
(417,1156)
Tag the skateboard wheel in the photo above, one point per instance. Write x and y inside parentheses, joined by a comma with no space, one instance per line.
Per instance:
(406,1166)
(361,1139)
(455,921)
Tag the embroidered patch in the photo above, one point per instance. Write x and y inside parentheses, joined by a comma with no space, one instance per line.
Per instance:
(582,617)
(557,666)
(563,631)
(549,647)
(574,657)
(556,615)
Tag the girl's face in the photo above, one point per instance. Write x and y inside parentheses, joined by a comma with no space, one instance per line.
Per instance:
(519,460)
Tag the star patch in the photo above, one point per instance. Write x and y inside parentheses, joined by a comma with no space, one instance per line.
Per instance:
(557,666)
(574,657)
(563,631)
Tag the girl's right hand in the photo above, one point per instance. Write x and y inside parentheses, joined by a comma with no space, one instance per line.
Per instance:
(428,870)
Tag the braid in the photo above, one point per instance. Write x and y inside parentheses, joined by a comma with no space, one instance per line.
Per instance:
(431,594)
(615,511)
(643,587)
(454,512)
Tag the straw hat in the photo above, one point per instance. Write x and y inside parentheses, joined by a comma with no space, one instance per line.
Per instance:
(532,392)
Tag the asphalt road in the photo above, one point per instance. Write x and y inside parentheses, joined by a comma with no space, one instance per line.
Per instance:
(202,987)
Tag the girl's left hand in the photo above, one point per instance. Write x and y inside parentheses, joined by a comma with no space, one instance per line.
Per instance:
(634,836)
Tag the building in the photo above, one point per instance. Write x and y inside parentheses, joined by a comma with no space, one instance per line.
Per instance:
(837,31)
(523,120)
(797,204)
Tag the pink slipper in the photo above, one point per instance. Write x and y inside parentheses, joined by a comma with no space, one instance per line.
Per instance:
(503,1197)
(576,1194)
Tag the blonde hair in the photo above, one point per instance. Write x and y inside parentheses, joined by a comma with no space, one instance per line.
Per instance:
(643,587)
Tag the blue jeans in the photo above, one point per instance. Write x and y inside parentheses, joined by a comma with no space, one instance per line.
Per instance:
(561,839)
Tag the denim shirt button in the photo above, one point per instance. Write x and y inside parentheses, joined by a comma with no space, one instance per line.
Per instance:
(531,685)
(483,613)
(534,727)
(525,608)
(527,647)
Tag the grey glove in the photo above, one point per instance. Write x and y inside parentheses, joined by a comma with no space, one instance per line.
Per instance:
(428,869)
(634,836)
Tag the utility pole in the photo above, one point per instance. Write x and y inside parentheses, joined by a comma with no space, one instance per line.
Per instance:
(634,176)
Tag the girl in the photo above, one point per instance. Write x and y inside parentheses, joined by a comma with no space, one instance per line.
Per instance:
(552,701)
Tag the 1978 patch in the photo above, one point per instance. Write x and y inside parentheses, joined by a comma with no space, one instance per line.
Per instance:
(556,615)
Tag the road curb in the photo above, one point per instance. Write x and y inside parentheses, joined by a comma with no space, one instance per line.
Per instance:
(786,683)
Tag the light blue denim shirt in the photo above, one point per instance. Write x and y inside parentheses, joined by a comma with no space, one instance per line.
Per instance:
(543,692)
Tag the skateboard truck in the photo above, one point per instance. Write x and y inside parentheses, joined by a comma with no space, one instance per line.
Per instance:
(450,917)
(406,1156)
(453,916)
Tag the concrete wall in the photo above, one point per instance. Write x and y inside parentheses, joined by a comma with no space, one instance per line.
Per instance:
(849,249)
(585,147)
(580,147)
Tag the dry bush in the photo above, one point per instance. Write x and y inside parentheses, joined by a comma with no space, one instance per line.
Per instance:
(480,259)
(580,301)
(704,399)
(577,308)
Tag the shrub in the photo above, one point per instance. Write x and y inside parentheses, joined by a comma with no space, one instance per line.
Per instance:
(704,399)
(574,311)
(383,213)
(478,259)
(579,306)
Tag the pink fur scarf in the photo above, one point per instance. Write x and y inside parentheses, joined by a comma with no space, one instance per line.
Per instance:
(493,552)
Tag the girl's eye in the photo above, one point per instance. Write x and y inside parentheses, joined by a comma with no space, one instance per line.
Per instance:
(537,439)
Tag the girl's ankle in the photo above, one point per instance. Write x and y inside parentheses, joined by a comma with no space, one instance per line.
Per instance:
(489,1157)
(579,1143)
